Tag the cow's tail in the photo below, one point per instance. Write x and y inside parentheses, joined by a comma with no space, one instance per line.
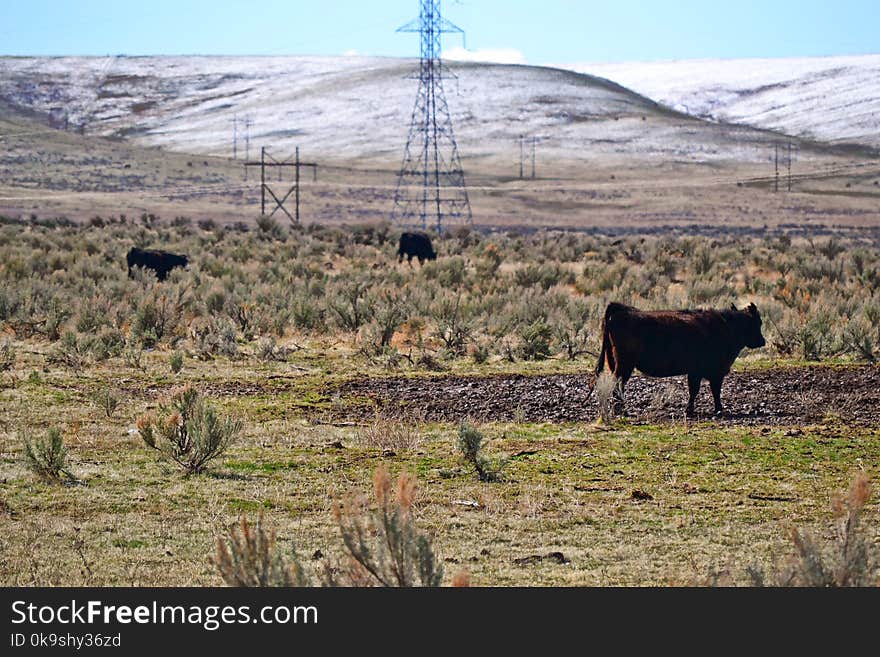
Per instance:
(607,353)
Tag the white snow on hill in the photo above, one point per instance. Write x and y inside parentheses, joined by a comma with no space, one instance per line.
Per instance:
(833,99)
(359,107)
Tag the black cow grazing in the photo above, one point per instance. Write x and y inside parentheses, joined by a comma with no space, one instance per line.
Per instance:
(160,262)
(415,244)
(699,343)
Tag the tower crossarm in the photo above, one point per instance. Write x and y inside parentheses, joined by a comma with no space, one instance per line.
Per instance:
(442,26)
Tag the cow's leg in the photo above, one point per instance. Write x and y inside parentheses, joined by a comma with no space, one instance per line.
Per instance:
(693,389)
(614,369)
(716,394)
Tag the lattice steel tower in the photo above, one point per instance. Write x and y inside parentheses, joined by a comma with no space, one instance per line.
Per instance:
(431,181)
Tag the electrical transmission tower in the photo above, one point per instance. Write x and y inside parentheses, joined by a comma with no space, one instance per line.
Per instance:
(430,185)
(295,189)
(786,160)
(248,122)
(523,156)
(235,137)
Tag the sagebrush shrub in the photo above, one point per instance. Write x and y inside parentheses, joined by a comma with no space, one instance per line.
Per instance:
(305,312)
(454,323)
(250,557)
(384,546)
(148,326)
(858,339)
(536,341)
(71,351)
(133,354)
(849,560)
(269,228)
(175,362)
(47,456)
(109,343)
(56,317)
(491,292)
(107,400)
(480,353)
(214,337)
(188,430)
(381,543)
(266,350)
(159,315)
(471,442)
(350,304)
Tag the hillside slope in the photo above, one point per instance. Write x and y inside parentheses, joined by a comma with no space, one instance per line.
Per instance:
(833,99)
(359,108)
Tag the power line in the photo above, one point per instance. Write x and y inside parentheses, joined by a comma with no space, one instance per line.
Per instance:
(103,76)
(224,188)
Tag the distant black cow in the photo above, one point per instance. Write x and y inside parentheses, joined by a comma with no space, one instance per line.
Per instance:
(415,244)
(699,343)
(160,262)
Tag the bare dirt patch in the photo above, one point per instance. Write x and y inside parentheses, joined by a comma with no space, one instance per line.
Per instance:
(782,396)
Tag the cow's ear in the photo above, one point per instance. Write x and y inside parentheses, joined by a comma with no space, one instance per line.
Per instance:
(753,309)
(733,306)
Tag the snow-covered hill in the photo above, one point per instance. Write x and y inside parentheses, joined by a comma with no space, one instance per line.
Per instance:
(358,107)
(833,99)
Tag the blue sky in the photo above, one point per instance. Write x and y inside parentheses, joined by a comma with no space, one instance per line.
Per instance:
(543,32)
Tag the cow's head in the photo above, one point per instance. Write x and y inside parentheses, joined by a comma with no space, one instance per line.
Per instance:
(751,327)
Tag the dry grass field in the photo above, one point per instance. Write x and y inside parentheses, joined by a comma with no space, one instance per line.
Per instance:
(51,173)
(625,503)
(320,343)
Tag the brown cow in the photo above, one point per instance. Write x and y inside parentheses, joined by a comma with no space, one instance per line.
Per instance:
(699,343)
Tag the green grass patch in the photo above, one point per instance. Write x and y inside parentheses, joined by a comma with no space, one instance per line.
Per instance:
(267,468)
(250,506)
